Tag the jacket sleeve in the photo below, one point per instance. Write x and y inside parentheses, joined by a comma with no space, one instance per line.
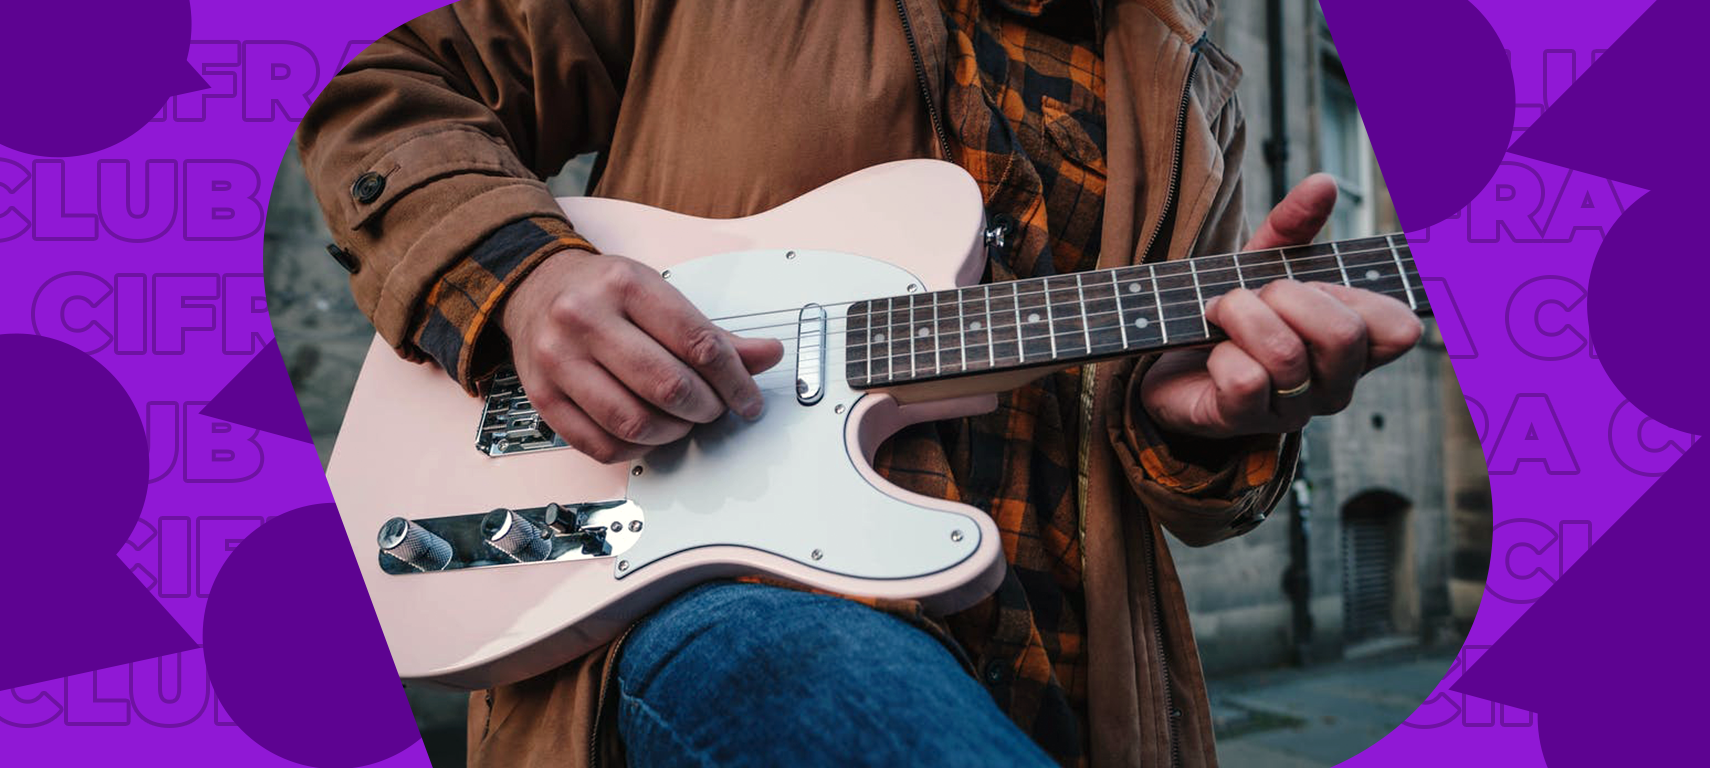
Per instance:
(1203,491)
(427,154)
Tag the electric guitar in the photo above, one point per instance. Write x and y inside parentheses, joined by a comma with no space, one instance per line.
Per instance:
(494,553)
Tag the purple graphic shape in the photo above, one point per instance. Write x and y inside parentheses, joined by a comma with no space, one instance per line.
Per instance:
(1607,124)
(260,397)
(1641,710)
(1440,122)
(1646,310)
(70,497)
(90,74)
(295,651)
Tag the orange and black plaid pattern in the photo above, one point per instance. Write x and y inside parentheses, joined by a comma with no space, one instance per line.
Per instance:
(1025,110)
(462,304)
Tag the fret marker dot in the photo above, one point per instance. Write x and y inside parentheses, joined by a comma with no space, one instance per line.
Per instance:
(878,337)
(923,333)
(1133,287)
(1033,317)
(974,326)
(1371,274)
(1141,323)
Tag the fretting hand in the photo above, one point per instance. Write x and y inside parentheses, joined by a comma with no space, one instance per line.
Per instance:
(1295,350)
(618,361)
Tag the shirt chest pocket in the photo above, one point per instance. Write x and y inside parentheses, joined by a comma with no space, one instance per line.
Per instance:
(1076,135)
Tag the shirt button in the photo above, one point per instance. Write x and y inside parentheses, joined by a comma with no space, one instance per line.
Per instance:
(368,187)
(344,259)
(996,671)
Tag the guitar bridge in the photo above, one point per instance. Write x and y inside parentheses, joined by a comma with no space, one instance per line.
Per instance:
(509,422)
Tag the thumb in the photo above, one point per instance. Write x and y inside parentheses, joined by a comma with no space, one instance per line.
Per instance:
(1297,219)
(758,354)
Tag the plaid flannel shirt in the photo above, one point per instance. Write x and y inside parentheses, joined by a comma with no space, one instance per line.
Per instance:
(1025,111)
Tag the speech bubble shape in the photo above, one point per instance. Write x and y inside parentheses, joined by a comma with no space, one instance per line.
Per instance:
(296,652)
(74,477)
(1441,123)
(85,76)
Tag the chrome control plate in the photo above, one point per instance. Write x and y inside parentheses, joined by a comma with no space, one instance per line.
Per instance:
(589,531)
(509,422)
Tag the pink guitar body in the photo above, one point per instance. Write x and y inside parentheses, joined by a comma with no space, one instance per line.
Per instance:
(792,496)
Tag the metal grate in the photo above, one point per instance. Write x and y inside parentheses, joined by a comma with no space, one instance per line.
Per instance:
(1368,567)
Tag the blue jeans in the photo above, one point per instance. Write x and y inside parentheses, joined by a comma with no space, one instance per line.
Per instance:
(744,674)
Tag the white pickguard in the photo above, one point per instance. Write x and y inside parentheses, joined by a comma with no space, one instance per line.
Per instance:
(785,483)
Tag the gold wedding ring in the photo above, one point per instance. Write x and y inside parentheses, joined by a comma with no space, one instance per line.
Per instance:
(1292,392)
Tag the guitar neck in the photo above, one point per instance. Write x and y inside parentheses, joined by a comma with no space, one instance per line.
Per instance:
(1085,316)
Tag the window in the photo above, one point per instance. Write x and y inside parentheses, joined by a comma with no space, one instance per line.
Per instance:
(1346,152)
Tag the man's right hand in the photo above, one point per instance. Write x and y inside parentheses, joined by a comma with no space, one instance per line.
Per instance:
(618,361)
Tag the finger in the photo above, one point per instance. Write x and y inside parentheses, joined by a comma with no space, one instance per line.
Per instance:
(665,315)
(1243,390)
(655,374)
(1299,216)
(615,408)
(1263,335)
(581,433)
(1391,328)
(1335,337)
(758,355)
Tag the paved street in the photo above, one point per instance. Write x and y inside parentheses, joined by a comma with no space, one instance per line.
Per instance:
(1322,715)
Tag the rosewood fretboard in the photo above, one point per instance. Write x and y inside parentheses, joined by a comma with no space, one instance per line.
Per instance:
(1084,316)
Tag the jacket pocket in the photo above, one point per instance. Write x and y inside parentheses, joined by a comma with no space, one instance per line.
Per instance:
(418,159)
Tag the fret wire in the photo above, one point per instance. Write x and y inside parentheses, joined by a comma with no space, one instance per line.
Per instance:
(962,332)
(1081,293)
(1412,303)
(1121,319)
(1337,250)
(1203,323)
(1050,323)
(1288,269)
(937,356)
(1015,295)
(991,344)
(1240,281)
(911,335)
(1158,302)
(890,336)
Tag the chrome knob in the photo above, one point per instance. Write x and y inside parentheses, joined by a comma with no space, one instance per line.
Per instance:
(413,545)
(517,537)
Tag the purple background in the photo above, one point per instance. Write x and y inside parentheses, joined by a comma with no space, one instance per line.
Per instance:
(1550,43)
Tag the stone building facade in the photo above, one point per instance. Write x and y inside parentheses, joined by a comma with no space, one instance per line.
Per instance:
(1386,538)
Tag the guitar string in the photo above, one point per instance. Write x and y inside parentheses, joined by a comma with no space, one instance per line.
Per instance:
(1240,282)
(1018,359)
(1395,250)
(1155,292)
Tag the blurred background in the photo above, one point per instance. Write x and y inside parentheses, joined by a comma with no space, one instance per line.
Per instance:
(1320,631)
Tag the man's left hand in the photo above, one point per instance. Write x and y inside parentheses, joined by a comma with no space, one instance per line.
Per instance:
(1295,350)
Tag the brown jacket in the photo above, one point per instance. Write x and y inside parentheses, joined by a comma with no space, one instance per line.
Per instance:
(731,108)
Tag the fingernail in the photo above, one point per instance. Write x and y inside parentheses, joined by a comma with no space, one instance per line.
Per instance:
(1212,302)
(751,408)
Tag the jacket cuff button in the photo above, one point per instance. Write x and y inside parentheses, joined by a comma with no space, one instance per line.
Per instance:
(344,258)
(368,187)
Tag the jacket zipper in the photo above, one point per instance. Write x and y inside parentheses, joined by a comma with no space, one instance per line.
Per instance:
(600,707)
(1164,217)
(925,85)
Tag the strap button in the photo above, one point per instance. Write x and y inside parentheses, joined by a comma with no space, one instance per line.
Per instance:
(368,187)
